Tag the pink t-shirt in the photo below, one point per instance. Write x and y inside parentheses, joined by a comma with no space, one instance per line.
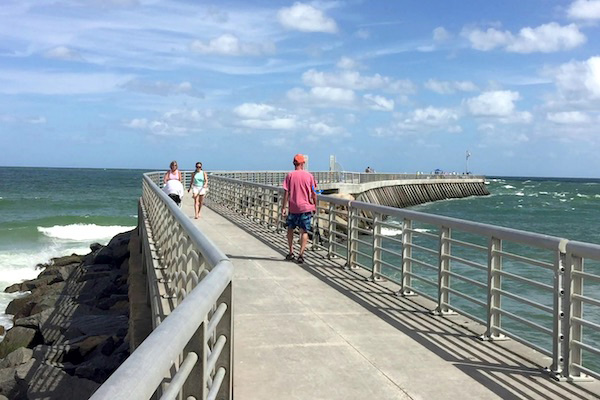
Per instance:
(299,184)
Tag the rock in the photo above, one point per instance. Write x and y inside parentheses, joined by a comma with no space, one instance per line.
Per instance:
(95,247)
(2,330)
(16,358)
(8,383)
(62,261)
(52,383)
(18,337)
(115,252)
(13,288)
(21,306)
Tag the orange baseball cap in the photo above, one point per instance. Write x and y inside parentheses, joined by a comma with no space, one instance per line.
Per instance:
(299,159)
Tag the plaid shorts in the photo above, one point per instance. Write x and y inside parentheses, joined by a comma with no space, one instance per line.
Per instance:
(301,221)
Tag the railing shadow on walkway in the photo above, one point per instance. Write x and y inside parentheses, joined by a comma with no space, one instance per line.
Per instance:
(499,366)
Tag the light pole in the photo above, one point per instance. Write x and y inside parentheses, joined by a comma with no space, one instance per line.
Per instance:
(467,162)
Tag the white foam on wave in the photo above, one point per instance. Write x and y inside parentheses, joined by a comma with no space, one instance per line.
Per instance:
(508,187)
(543,193)
(519,194)
(83,232)
(390,231)
(597,196)
(585,196)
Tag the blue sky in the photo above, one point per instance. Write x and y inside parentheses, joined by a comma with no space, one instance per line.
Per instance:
(400,86)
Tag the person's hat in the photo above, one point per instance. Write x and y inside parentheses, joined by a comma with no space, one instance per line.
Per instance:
(299,159)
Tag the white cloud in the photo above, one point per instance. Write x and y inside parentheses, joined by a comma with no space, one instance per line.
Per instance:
(347,63)
(160,88)
(568,117)
(499,103)
(276,123)
(580,78)
(176,122)
(584,9)
(322,95)
(230,45)
(306,18)
(63,53)
(446,87)
(49,83)
(545,38)
(322,129)
(379,103)
(440,34)
(354,80)
(423,120)
(254,110)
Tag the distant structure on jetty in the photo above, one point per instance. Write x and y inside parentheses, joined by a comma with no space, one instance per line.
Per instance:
(393,190)
(405,190)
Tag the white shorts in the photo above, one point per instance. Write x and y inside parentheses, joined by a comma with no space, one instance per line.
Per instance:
(199,190)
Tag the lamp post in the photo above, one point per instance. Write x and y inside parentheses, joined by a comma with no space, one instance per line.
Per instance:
(467,162)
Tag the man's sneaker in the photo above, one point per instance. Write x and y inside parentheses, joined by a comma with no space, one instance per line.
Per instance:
(289,257)
(300,259)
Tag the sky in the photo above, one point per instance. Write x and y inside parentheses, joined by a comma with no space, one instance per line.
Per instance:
(400,86)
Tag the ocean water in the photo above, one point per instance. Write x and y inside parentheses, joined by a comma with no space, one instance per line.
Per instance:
(52,212)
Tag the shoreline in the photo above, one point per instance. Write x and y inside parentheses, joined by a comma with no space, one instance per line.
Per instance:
(71,325)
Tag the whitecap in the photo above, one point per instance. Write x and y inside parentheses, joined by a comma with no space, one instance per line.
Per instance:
(508,187)
(519,194)
(83,232)
(543,192)
(520,206)
(422,230)
(585,196)
(562,200)
(597,196)
(390,231)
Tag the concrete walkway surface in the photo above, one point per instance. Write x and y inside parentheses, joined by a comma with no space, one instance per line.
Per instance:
(318,331)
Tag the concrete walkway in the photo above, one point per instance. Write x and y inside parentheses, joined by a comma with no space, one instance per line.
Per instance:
(317,331)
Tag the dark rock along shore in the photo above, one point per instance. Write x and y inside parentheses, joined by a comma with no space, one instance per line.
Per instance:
(70,332)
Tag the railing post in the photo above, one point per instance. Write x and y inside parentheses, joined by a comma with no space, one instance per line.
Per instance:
(225,327)
(197,388)
(407,236)
(573,309)
(376,274)
(443,270)
(351,242)
(494,285)
(330,230)
(558,325)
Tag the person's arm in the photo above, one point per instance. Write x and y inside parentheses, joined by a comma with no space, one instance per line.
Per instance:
(180,176)
(205,180)
(192,180)
(284,207)
(165,178)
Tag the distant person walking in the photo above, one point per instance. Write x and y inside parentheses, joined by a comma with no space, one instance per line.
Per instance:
(173,173)
(299,186)
(199,187)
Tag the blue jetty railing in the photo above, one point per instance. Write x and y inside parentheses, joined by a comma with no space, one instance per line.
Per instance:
(529,287)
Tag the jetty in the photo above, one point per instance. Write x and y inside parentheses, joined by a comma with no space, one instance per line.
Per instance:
(426,313)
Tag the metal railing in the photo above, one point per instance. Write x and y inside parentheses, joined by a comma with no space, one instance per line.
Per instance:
(275,178)
(189,352)
(520,285)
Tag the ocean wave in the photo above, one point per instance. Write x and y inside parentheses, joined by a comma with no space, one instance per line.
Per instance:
(585,196)
(519,194)
(508,187)
(390,231)
(83,232)
(543,193)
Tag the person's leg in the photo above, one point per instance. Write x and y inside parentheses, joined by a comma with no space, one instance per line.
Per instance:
(196,210)
(200,200)
(303,241)
(290,239)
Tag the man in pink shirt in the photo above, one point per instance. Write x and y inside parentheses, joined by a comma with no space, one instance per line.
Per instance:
(299,186)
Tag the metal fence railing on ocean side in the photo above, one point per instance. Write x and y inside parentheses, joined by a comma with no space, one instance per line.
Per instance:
(189,285)
(519,285)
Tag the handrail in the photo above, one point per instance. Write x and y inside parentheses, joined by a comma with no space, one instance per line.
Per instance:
(189,285)
(426,255)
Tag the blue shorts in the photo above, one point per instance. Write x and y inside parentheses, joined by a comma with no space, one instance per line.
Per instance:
(301,221)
